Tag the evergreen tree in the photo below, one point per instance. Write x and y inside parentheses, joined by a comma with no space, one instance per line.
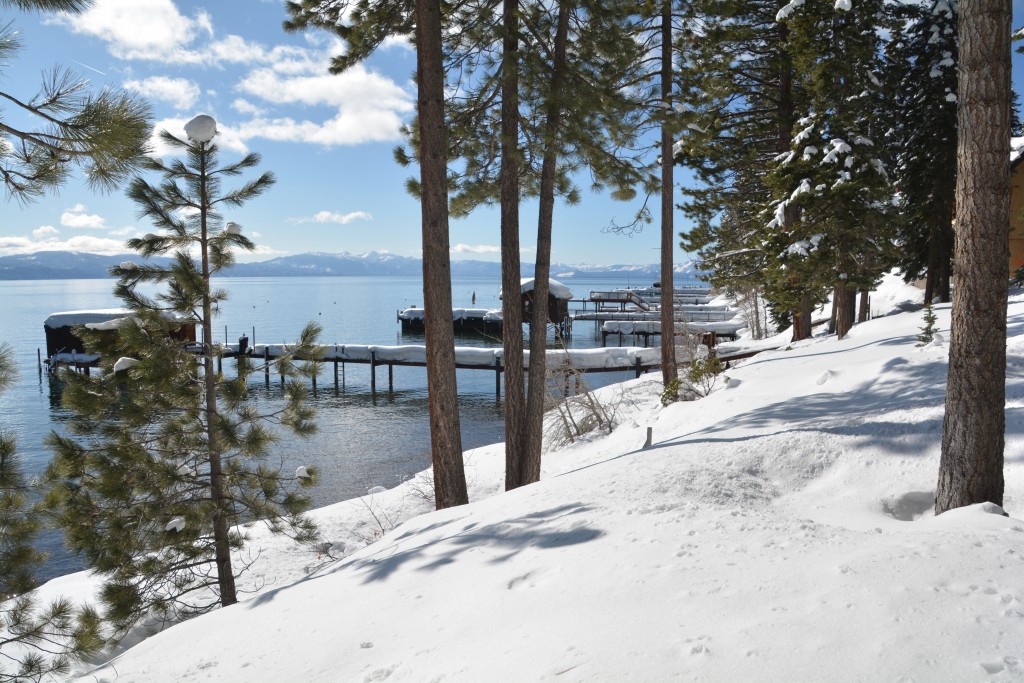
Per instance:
(922,81)
(928,331)
(102,134)
(445,437)
(364,25)
(833,179)
(739,97)
(37,641)
(497,148)
(973,431)
(167,459)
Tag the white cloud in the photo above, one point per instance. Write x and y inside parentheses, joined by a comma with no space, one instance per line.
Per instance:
(356,88)
(475,249)
(45,231)
(77,218)
(244,106)
(10,246)
(334,217)
(139,29)
(180,92)
(370,107)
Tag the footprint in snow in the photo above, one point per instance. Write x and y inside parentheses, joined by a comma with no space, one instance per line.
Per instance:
(825,376)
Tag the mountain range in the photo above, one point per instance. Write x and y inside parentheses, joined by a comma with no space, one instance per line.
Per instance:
(62,265)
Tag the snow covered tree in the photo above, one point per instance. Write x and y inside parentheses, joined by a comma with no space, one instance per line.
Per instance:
(833,179)
(971,464)
(103,134)
(922,81)
(37,641)
(166,459)
(739,98)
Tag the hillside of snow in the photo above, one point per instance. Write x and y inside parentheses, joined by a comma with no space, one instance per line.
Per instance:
(779,529)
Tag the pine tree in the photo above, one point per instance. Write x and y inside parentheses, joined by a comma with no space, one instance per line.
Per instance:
(833,178)
(37,641)
(492,138)
(928,331)
(921,76)
(101,134)
(973,431)
(740,94)
(167,459)
(445,438)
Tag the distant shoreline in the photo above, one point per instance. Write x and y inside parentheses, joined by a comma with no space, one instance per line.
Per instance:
(84,266)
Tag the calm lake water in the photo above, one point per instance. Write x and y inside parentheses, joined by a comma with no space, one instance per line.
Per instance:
(361,441)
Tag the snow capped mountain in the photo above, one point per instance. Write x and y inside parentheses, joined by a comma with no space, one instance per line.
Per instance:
(57,265)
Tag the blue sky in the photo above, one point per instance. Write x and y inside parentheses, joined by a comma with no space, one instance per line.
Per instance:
(328,139)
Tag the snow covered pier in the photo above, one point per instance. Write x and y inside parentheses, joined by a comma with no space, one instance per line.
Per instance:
(465,320)
(616,359)
(724,329)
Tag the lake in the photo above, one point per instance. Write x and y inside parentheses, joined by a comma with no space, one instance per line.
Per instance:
(362,441)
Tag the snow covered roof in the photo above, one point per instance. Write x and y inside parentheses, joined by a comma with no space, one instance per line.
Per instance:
(555,288)
(84,317)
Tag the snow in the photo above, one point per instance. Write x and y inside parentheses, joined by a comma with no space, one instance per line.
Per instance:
(85,317)
(1016,149)
(124,363)
(555,288)
(779,529)
(202,128)
(654,327)
(788,9)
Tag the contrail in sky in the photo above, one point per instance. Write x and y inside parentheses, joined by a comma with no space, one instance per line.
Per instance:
(88,67)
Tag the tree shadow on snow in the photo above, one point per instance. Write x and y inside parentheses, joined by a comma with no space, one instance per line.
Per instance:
(900,386)
(556,527)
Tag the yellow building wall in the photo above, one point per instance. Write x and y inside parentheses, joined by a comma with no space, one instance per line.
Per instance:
(1016,218)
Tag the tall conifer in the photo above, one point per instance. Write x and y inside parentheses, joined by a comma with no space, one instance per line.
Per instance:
(167,459)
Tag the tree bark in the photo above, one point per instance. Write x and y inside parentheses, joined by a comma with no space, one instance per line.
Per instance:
(536,387)
(511,304)
(221,532)
(971,465)
(445,432)
(668,335)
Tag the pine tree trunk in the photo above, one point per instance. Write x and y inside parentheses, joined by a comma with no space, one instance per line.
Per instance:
(538,325)
(511,304)
(668,336)
(221,530)
(846,299)
(864,310)
(802,319)
(445,433)
(971,466)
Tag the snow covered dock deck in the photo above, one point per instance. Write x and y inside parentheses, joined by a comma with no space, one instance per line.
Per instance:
(615,359)
(725,329)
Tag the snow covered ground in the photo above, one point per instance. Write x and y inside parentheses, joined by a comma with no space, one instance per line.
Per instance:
(778,530)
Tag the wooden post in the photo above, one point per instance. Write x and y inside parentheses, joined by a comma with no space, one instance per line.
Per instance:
(266,365)
(497,378)
(314,382)
(335,375)
(391,378)
(638,367)
(39,359)
(373,372)
(220,364)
